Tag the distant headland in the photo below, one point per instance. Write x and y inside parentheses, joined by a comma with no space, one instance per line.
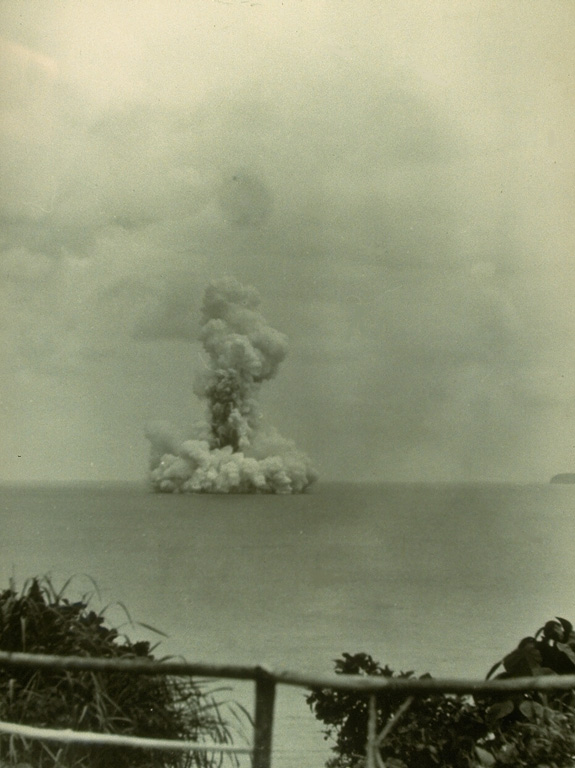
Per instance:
(564,477)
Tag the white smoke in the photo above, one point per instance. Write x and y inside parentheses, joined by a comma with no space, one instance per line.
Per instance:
(232,452)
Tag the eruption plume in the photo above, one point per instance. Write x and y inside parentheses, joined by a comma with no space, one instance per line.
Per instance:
(232,452)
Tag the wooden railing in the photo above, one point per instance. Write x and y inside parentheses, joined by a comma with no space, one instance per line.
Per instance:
(265,681)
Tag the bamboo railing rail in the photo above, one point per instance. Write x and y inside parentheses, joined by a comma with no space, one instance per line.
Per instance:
(266,680)
(137,666)
(68,736)
(410,686)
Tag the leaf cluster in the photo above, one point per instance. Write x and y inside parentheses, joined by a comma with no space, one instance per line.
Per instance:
(529,729)
(40,619)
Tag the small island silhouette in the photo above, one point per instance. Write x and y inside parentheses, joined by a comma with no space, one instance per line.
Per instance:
(564,477)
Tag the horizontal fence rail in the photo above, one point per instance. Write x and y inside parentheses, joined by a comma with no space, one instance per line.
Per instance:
(265,680)
(135,665)
(68,736)
(425,686)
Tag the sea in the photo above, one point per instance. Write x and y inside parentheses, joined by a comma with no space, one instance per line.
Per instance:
(439,578)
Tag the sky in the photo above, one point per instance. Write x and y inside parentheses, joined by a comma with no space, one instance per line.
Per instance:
(396,180)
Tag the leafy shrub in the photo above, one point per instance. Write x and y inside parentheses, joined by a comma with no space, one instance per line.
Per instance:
(530,729)
(435,731)
(41,620)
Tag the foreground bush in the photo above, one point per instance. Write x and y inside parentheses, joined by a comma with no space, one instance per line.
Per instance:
(41,620)
(532,730)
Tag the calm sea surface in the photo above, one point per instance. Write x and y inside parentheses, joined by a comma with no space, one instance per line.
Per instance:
(436,578)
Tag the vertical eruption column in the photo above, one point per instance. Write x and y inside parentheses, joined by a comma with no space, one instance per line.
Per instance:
(224,404)
(244,351)
(237,456)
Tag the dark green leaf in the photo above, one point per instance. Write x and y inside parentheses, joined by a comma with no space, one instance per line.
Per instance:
(485,758)
(500,710)
(531,709)
(525,660)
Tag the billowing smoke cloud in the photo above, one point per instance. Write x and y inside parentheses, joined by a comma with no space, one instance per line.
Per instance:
(232,452)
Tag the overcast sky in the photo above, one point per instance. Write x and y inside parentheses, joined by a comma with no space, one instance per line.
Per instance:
(396,179)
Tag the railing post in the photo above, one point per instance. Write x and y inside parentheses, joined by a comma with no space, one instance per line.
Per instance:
(371,744)
(264,719)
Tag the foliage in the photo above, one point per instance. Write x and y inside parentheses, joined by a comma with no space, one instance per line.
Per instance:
(530,729)
(346,712)
(41,620)
(433,732)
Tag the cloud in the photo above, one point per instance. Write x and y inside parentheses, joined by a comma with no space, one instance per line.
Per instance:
(167,312)
(401,201)
(244,199)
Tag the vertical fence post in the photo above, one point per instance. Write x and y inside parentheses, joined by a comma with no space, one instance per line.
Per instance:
(264,719)
(371,744)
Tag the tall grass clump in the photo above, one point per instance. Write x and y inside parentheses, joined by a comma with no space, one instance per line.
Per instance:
(41,619)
